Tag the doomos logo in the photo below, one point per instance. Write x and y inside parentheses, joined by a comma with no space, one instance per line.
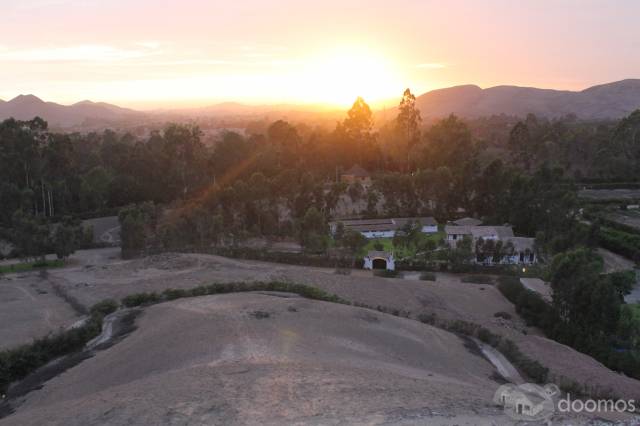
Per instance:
(528,401)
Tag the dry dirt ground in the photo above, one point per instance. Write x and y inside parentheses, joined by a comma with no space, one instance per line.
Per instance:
(614,262)
(94,275)
(257,359)
(29,308)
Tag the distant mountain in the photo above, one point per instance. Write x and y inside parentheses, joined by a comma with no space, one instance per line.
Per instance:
(613,100)
(26,107)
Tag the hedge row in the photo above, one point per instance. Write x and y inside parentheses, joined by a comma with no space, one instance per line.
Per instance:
(144,299)
(623,243)
(17,363)
(531,368)
(291,258)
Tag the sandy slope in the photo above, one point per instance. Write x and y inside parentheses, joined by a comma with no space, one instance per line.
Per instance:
(213,360)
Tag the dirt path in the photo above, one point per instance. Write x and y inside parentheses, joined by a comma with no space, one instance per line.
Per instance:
(502,364)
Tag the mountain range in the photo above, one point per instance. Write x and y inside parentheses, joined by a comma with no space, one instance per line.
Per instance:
(612,100)
(26,107)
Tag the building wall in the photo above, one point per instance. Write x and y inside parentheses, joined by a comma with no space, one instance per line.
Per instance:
(379,234)
(368,263)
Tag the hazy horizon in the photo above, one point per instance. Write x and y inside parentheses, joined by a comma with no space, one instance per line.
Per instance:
(160,54)
(185,104)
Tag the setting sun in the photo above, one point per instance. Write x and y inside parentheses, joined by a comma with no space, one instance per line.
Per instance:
(338,76)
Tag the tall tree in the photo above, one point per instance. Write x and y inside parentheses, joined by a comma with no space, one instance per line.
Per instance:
(408,123)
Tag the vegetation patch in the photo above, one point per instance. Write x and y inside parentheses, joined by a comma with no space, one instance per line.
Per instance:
(144,299)
(31,266)
(17,363)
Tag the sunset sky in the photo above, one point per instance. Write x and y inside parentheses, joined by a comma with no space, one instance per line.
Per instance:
(162,53)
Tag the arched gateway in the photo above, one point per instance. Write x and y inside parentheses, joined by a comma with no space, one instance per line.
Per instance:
(379,260)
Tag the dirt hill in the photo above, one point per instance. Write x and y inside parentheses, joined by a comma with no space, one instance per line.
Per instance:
(268,359)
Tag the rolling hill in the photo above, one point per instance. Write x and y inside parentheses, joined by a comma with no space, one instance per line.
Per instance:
(26,107)
(612,100)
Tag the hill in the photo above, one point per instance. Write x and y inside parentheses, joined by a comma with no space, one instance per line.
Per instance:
(270,359)
(613,100)
(26,107)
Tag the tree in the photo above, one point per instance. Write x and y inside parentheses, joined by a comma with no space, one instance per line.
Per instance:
(587,303)
(520,145)
(354,241)
(313,231)
(447,143)
(136,221)
(30,235)
(408,123)
(359,121)
(65,240)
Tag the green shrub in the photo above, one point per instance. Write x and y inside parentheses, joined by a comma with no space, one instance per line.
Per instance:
(104,308)
(430,319)
(172,294)
(17,363)
(139,299)
(510,287)
(503,315)
(428,276)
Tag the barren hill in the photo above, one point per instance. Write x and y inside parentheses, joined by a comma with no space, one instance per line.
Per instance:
(268,359)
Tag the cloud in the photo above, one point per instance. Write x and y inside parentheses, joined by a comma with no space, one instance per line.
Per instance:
(431,66)
(149,44)
(79,53)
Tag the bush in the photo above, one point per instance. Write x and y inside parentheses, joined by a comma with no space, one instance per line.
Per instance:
(430,319)
(503,315)
(428,276)
(104,308)
(309,292)
(139,299)
(172,294)
(17,363)
(477,279)
(510,287)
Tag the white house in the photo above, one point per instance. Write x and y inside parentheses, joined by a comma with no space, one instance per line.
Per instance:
(384,228)
(523,248)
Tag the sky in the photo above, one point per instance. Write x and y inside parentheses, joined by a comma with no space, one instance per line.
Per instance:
(167,53)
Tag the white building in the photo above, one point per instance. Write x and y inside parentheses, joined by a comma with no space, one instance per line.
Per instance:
(523,248)
(384,228)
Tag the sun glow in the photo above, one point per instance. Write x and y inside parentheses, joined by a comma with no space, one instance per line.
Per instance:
(338,77)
